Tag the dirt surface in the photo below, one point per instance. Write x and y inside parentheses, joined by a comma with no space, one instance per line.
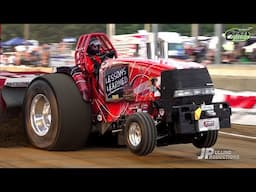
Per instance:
(16,152)
(12,132)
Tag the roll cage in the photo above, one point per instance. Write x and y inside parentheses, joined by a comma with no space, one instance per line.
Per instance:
(83,42)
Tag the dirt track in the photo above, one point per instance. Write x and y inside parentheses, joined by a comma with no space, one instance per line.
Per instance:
(15,152)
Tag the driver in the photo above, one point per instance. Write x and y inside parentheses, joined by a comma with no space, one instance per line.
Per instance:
(94,57)
(94,53)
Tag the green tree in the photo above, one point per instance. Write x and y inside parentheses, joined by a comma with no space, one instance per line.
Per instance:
(51,33)
(128,28)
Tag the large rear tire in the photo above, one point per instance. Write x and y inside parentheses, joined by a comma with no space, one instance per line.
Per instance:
(2,106)
(140,133)
(207,139)
(55,116)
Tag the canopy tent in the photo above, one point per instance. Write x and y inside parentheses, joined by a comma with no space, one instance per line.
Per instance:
(15,41)
(69,40)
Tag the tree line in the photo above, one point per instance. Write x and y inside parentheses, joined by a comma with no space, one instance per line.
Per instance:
(52,33)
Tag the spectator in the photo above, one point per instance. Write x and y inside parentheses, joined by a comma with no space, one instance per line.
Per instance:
(243,58)
(22,58)
(253,55)
(45,57)
(209,58)
(35,57)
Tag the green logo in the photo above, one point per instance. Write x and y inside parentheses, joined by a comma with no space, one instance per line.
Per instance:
(237,35)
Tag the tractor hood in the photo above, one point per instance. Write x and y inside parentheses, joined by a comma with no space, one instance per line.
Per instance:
(157,64)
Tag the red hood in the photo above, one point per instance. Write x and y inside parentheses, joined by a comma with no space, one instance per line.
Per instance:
(160,64)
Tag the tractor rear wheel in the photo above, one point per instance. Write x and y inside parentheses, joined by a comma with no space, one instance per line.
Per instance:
(55,115)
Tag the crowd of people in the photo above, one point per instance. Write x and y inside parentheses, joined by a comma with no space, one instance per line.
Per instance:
(34,55)
(25,55)
(40,55)
(202,54)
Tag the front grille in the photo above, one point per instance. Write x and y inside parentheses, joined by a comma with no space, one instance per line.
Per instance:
(178,79)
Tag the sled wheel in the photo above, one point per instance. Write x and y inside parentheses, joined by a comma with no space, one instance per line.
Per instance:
(207,139)
(55,116)
(140,133)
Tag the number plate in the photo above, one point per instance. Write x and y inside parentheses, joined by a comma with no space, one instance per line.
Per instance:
(207,107)
(208,124)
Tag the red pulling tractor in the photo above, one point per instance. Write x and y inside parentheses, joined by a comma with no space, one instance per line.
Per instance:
(146,103)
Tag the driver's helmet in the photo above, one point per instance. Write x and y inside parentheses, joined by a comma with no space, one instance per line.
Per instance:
(94,46)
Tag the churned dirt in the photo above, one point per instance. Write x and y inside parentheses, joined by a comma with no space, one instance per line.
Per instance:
(12,132)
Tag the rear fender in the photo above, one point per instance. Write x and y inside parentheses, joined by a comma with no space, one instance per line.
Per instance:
(13,96)
(13,91)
